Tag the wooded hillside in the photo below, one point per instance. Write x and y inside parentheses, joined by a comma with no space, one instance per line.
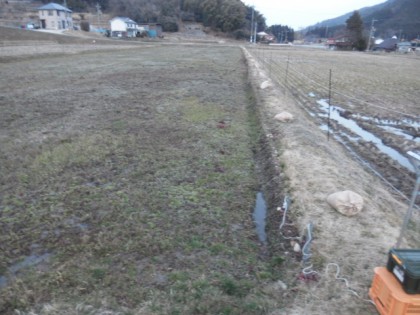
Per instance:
(228,16)
(392,18)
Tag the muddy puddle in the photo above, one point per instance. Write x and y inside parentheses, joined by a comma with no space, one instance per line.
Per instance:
(27,262)
(259,216)
(357,133)
(38,257)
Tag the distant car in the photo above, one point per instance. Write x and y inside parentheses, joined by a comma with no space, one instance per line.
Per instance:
(405,47)
(31,26)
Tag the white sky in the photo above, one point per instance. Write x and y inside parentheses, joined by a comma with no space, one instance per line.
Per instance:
(301,13)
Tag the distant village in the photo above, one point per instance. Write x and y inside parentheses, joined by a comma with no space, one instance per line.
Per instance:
(53,16)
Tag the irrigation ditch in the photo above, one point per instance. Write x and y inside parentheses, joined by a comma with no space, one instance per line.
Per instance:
(269,210)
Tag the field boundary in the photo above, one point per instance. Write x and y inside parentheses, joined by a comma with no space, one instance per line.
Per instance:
(312,168)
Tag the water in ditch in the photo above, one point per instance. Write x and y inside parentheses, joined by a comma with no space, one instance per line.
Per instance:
(259,215)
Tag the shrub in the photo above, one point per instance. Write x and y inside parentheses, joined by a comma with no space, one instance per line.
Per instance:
(240,34)
(169,24)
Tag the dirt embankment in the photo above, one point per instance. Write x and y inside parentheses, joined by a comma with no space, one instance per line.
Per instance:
(311,168)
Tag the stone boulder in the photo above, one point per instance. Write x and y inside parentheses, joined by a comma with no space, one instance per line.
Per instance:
(284,117)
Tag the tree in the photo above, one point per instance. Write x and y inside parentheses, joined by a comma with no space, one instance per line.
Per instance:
(354,25)
(223,15)
(228,16)
(283,33)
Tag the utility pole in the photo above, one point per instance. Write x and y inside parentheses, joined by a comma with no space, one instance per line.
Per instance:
(285,34)
(255,32)
(252,26)
(371,33)
(98,10)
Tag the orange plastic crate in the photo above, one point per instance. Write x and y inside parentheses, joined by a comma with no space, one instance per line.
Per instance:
(389,296)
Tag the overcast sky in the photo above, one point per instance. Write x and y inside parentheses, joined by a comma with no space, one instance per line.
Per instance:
(301,13)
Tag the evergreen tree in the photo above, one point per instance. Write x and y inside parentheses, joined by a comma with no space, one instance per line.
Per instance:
(223,15)
(283,33)
(354,26)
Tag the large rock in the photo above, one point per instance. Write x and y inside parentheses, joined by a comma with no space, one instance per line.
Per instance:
(284,117)
(346,202)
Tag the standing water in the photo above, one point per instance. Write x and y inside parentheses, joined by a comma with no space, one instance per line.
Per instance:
(259,215)
(365,135)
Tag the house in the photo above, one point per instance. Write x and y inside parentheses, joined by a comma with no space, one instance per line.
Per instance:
(54,16)
(387,45)
(123,27)
(339,43)
(265,38)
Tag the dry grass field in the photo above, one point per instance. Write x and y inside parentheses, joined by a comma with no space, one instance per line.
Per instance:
(129,176)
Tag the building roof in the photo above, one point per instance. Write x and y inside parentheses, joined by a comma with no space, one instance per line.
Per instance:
(389,43)
(54,6)
(125,19)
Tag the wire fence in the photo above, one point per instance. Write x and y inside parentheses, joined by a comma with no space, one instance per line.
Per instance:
(313,89)
(304,78)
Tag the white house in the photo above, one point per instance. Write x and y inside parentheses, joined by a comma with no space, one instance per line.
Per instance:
(123,27)
(55,17)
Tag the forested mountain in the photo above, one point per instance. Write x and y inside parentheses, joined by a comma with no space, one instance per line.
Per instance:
(393,17)
(228,16)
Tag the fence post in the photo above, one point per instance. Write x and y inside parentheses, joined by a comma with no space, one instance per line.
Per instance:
(329,105)
(270,61)
(287,73)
